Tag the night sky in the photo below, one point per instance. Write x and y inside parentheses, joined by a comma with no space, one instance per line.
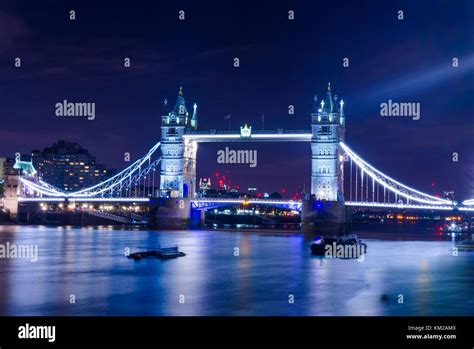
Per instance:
(282,62)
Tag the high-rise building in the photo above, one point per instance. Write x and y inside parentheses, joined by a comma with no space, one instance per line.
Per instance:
(68,166)
(6,167)
(9,186)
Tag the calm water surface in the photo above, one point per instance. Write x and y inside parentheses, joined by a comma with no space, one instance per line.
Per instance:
(89,263)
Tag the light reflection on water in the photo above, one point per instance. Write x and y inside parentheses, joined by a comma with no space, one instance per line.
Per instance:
(90,264)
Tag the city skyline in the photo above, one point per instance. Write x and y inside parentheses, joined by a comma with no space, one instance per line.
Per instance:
(281,64)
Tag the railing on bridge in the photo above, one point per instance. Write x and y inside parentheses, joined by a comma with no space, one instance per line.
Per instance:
(254,135)
(254,132)
(119,218)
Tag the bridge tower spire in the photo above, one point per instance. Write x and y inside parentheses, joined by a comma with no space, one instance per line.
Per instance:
(328,128)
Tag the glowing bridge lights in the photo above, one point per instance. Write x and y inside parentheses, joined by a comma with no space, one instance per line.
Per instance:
(391,184)
(129,178)
(133,183)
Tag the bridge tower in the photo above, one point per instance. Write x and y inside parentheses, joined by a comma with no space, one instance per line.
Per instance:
(178,160)
(328,128)
(324,211)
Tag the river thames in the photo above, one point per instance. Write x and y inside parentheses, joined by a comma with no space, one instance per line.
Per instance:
(272,274)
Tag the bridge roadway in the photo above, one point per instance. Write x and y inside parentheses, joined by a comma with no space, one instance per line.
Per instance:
(201,203)
(292,204)
(256,135)
(206,203)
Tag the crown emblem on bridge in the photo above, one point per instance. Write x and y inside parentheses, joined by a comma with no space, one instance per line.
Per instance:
(245,131)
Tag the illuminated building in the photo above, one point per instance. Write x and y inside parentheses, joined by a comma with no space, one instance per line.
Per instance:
(178,159)
(204,184)
(68,166)
(6,167)
(328,125)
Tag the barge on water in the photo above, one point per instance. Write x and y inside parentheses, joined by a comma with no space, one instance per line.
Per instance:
(163,253)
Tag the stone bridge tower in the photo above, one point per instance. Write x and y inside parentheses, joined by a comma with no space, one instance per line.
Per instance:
(178,159)
(328,128)
(324,211)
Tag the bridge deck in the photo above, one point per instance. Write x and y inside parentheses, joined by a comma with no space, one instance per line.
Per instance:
(203,202)
(258,135)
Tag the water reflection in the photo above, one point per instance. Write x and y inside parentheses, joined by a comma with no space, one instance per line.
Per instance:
(89,263)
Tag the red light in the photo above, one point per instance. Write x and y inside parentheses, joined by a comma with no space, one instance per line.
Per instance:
(259,195)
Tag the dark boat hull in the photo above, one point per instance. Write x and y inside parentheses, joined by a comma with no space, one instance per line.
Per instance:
(160,254)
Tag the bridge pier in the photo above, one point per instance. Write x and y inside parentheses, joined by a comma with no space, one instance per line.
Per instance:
(325,217)
(198,218)
(169,213)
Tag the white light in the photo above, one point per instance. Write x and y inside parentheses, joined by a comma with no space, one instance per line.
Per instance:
(252,201)
(81,199)
(361,163)
(137,165)
(87,192)
(289,136)
(394,205)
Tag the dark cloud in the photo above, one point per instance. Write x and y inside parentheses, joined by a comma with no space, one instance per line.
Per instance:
(12,30)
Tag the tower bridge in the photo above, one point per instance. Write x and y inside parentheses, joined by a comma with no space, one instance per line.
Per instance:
(165,177)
